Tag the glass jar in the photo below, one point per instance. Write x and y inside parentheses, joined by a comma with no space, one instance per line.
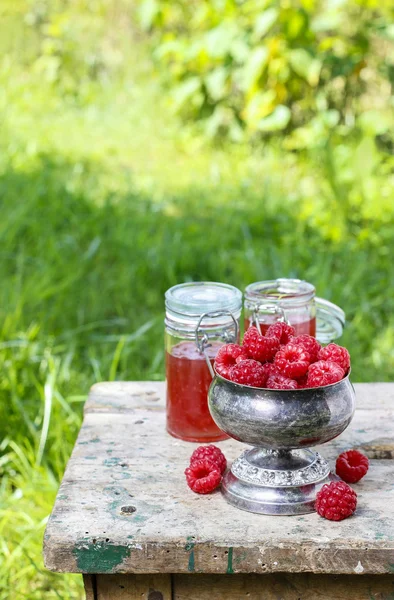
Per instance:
(200,318)
(292,300)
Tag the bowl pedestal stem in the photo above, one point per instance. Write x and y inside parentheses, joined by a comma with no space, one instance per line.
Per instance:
(276,482)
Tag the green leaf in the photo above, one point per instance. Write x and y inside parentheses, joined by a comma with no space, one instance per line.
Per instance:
(148,12)
(254,67)
(277,120)
(375,122)
(216,83)
(219,40)
(186,90)
(265,21)
(305,65)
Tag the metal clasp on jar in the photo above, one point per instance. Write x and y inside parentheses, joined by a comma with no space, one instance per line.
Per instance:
(228,334)
(269,309)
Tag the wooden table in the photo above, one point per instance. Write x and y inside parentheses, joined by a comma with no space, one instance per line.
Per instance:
(125,518)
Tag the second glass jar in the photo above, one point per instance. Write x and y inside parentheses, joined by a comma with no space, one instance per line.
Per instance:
(295,301)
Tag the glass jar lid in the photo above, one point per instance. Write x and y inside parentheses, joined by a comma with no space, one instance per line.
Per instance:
(196,298)
(285,292)
(330,321)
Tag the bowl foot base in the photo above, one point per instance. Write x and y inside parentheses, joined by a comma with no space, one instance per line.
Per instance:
(276,482)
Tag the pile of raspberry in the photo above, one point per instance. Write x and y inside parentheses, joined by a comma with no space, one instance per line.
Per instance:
(280,360)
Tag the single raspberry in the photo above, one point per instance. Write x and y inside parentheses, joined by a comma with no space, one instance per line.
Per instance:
(282,331)
(336,501)
(309,343)
(276,381)
(227,357)
(203,476)
(351,466)
(324,373)
(249,372)
(260,347)
(292,361)
(336,354)
(212,453)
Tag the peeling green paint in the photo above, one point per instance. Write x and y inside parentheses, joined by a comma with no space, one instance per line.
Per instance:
(120,476)
(99,557)
(230,570)
(189,543)
(90,457)
(190,566)
(111,462)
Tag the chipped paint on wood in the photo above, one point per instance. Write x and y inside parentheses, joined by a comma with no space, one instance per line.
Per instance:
(99,557)
(230,562)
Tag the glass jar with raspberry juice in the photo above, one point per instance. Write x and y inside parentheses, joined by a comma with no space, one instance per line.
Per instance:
(200,318)
(295,301)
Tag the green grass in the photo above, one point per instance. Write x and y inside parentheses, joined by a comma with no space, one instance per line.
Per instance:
(107,204)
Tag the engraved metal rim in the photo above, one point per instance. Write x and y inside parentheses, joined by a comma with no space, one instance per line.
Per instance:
(280,392)
(245,471)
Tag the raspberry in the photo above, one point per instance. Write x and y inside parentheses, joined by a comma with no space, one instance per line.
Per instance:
(227,357)
(260,347)
(302,382)
(276,381)
(323,373)
(309,343)
(203,476)
(292,361)
(249,372)
(336,501)
(282,331)
(336,354)
(212,453)
(351,466)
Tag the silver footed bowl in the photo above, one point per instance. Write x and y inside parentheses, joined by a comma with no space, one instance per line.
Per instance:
(281,418)
(279,475)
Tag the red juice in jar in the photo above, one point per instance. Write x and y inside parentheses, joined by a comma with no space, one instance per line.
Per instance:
(308,327)
(200,318)
(188,381)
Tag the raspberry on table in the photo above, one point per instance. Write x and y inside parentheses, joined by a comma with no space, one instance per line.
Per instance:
(292,361)
(249,372)
(276,381)
(336,501)
(336,354)
(227,357)
(309,343)
(212,453)
(259,347)
(351,466)
(324,373)
(203,476)
(282,331)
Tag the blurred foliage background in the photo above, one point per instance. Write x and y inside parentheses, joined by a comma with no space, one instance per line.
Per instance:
(148,143)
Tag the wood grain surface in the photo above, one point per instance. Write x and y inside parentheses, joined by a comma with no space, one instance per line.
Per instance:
(124,507)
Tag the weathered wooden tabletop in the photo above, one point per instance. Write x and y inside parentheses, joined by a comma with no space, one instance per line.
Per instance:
(124,507)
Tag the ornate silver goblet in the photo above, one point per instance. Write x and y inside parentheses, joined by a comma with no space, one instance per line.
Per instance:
(280,475)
